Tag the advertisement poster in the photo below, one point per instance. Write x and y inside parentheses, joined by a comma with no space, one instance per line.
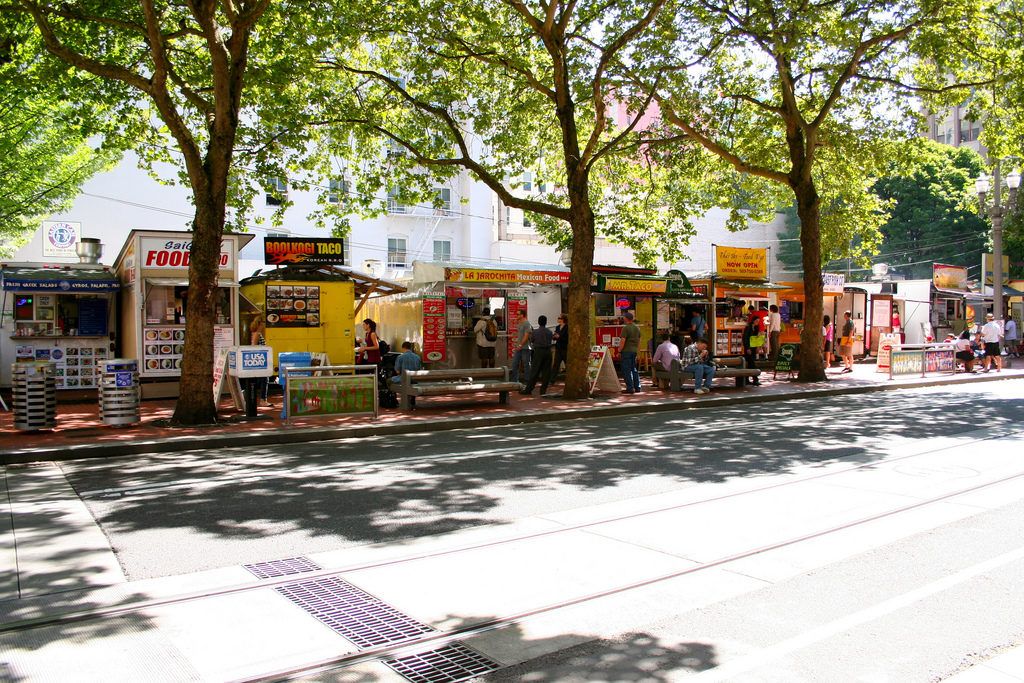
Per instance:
(340,395)
(601,372)
(293,306)
(60,238)
(907,363)
(514,305)
(949,277)
(741,263)
(434,328)
(887,343)
(788,359)
(939,360)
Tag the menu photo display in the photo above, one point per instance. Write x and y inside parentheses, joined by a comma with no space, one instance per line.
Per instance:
(293,305)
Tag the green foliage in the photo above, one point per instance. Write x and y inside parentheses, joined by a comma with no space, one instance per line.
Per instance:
(1013,242)
(934,216)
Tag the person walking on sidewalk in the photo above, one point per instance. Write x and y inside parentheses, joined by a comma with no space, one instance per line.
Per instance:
(750,352)
(828,331)
(846,342)
(561,336)
(540,367)
(486,331)
(523,348)
(629,345)
(695,360)
(992,333)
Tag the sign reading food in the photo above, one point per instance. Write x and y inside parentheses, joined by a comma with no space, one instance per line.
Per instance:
(741,263)
(165,254)
(293,305)
(311,250)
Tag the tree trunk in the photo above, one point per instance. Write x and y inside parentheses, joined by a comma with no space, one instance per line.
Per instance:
(808,206)
(196,403)
(582,221)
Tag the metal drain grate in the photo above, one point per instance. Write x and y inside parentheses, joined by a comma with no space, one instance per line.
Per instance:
(453,662)
(353,613)
(286,567)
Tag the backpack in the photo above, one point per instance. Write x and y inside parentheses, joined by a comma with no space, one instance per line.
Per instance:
(491,332)
(383,347)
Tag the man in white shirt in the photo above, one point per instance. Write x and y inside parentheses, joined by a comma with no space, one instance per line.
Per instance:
(663,356)
(992,333)
(774,330)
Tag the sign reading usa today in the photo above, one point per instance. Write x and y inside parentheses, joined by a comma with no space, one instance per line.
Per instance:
(251,361)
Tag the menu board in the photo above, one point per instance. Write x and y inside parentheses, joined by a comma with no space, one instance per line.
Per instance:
(293,306)
(77,367)
(92,317)
(514,305)
(434,332)
(162,350)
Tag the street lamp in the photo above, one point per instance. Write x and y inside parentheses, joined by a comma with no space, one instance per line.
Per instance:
(997,212)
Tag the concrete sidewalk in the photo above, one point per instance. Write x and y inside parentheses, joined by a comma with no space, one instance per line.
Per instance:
(80,433)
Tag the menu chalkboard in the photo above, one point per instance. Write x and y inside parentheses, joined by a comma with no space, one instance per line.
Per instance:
(788,359)
(92,317)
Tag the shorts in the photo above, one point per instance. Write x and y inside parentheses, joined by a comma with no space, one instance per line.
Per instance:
(991,349)
(964,355)
(828,346)
(486,352)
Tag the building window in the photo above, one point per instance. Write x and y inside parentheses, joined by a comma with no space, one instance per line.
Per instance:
(394,205)
(969,130)
(442,250)
(527,181)
(527,223)
(277,191)
(443,205)
(337,191)
(396,252)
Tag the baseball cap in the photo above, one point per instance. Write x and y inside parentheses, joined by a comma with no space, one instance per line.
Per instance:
(628,315)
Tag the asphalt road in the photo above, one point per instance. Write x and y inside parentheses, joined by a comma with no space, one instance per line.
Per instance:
(170,514)
(905,510)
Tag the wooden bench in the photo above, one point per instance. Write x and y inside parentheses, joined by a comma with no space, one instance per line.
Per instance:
(448,382)
(735,368)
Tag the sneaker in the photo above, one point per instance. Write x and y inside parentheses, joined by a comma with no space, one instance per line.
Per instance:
(700,391)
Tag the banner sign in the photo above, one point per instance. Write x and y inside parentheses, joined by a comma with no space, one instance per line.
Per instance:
(26,284)
(741,263)
(949,277)
(337,395)
(833,283)
(629,284)
(164,254)
(988,263)
(60,238)
(311,250)
(435,347)
(543,277)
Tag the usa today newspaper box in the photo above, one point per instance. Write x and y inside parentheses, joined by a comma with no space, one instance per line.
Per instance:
(250,363)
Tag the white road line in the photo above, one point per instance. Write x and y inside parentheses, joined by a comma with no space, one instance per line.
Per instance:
(772,653)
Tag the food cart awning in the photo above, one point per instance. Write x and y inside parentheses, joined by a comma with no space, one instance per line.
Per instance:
(959,293)
(751,285)
(69,279)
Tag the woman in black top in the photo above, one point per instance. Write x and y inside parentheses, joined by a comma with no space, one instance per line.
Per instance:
(561,337)
(750,353)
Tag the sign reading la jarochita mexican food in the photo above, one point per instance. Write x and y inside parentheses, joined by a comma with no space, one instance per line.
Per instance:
(311,250)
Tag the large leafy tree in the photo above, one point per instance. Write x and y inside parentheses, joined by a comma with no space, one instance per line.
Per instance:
(498,88)
(45,151)
(796,95)
(934,215)
(195,82)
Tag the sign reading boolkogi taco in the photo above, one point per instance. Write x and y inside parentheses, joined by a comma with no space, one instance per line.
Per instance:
(176,254)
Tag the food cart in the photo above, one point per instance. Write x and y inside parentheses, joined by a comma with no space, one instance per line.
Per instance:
(153,270)
(620,290)
(314,308)
(63,314)
(792,302)
(444,300)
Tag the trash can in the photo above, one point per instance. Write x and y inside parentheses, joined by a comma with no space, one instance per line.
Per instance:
(34,389)
(119,391)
